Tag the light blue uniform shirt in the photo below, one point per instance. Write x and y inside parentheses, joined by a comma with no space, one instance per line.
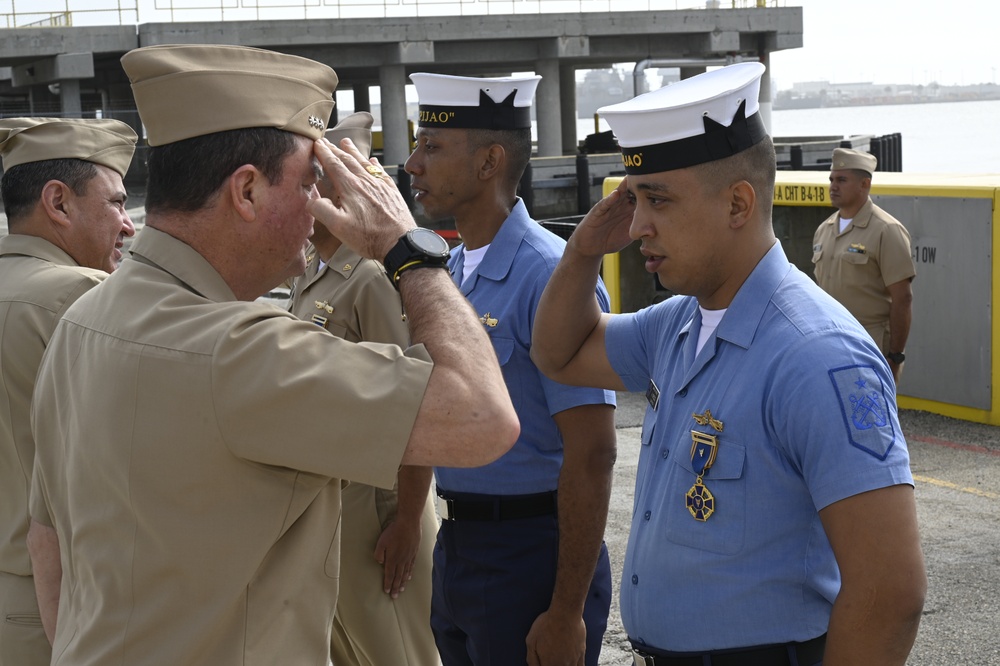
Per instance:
(504,290)
(807,408)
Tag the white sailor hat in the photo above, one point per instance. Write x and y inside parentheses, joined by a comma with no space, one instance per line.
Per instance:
(701,119)
(467,102)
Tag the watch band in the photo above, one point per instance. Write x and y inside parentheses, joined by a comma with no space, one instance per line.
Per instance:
(416,263)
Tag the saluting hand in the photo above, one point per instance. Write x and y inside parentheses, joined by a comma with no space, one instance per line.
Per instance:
(364,210)
(605,229)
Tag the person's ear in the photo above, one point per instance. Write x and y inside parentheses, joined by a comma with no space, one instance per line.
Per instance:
(244,190)
(494,159)
(742,203)
(56,200)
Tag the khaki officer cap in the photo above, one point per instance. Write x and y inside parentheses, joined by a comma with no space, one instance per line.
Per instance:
(193,90)
(358,128)
(102,141)
(844,158)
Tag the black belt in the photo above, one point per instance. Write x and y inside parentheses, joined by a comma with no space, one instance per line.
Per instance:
(496,507)
(807,654)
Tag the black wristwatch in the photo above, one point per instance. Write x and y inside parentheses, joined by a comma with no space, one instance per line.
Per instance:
(896,357)
(417,248)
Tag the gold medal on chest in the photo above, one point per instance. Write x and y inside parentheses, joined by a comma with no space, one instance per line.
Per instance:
(699,499)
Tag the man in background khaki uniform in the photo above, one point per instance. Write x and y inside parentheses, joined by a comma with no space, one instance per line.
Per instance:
(387,535)
(65,205)
(862,257)
(189,493)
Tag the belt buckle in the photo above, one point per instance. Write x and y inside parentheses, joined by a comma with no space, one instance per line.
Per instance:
(445,508)
(640,659)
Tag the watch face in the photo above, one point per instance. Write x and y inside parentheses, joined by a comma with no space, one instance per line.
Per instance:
(429,242)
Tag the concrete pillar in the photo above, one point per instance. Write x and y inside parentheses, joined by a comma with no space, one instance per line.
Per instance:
(395,142)
(547,113)
(688,72)
(69,98)
(567,103)
(362,100)
(765,92)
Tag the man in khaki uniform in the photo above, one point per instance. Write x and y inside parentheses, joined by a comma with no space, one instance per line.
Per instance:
(186,504)
(65,205)
(862,257)
(387,535)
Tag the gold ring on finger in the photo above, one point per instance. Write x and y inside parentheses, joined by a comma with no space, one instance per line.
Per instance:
(375,171)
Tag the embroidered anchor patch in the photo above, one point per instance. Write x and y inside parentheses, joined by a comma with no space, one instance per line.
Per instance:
(865,409)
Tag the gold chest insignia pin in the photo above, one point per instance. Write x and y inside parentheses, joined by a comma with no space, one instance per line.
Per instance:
(488,321)
(704,447)
(325,306)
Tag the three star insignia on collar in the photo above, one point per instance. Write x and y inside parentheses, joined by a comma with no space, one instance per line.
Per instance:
(488,321)
(316,123)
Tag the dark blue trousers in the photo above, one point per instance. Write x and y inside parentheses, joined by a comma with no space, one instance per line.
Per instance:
(492,579)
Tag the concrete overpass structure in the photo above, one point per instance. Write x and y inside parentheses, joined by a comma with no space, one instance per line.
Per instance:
(81,64)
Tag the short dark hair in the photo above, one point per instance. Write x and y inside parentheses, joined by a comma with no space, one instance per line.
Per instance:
(516,144)
(184,176)
(22,185)
(756,165)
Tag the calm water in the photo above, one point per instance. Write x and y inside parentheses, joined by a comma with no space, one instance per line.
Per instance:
(953,137)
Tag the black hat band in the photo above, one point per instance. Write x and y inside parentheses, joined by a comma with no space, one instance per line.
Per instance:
(718,142)
(488,115)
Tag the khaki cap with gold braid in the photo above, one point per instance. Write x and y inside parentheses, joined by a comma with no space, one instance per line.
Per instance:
(102,141)
(184,91)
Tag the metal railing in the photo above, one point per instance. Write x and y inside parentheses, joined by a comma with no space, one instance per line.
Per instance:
(53,13)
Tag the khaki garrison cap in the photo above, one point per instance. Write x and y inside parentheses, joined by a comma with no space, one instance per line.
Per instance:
(106,142)
(844,158)
(358,128)
(193,90)
(470,102)
(707,117)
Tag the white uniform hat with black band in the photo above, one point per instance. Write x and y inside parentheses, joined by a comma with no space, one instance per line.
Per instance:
(708,117)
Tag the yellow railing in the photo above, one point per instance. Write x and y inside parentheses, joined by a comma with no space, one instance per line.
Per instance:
(49,13)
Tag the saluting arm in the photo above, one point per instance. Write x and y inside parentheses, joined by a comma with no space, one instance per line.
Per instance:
(466,418)
(567,341)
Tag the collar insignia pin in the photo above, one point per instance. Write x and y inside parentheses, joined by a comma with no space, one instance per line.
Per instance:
(316,123)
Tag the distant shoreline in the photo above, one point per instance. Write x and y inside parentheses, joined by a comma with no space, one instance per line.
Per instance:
(785,102)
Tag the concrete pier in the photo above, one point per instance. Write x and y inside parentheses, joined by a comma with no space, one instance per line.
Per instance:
(384,51)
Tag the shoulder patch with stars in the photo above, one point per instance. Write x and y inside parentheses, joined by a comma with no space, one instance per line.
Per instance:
(865,409)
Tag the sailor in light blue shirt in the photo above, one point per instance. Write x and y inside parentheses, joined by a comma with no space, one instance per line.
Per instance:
(504,289)
(774,520)
(521,574)
(803,414)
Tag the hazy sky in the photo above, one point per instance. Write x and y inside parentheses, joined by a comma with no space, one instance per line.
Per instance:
(893,41)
